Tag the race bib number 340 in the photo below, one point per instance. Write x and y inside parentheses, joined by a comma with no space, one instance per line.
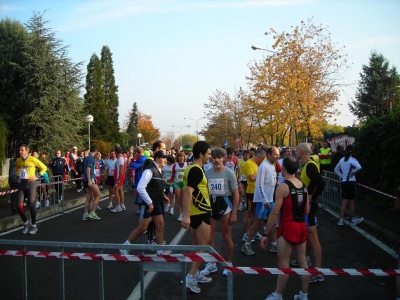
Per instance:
(216,186)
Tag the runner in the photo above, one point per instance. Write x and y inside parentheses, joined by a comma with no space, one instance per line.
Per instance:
(169,190)
(110,166)
(119,178)
(91,188)
(150,189)
(263,199)
(243,180)
(25,169)
(197,208)
(346,170)
(291,200)
(224,199)
(178,170)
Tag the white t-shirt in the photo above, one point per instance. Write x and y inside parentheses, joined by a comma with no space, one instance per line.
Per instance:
(280,176)
(344,168)
(110,165)
(265,183)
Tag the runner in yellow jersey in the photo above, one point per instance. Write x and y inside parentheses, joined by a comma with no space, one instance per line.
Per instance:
(197,209)
(25,169)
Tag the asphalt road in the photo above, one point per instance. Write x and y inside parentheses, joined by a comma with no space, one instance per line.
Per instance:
(343,247)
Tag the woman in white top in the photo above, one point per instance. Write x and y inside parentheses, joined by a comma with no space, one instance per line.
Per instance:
(345,169)
(178,170)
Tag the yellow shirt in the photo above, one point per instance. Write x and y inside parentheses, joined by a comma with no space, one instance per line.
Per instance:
(250,168)
(26,168)
(200,203)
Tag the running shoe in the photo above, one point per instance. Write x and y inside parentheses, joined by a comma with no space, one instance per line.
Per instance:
(171,211)
(26,228)
(123,207)
(180,217)
(273,297)
(98,207)
(225,271)
(93,216)
(124,251)
(240,207)
(191,284)
(297,297)
(258,236)
(201,278)
(356,221)
(246,249)
(166,208)
(160,252)
(47,203)
(37,204)
(244,239)
(85,217)
(294,263)
(340,223)
(33,229)
(116,209)
(210,268)
(273,248)
(317,278)
(110,206)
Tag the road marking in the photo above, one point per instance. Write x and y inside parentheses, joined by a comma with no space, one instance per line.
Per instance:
(365,234)
(135,295)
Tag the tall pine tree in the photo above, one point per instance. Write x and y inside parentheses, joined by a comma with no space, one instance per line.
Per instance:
(132,128)
(95,101)
(110,94)
(52,109)
(378,89)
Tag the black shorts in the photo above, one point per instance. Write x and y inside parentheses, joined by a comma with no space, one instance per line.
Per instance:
(85,184)
(348,189)
(110,181)
(166,191)
(157,211)
(195,221)
(219,206)
(244,183)
(313,212)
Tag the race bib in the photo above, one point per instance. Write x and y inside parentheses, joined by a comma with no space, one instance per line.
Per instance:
(111,172)
(97,172)
(300,199)
(230,165)
(180,176)
(216,186)
(23,174)
(243,178)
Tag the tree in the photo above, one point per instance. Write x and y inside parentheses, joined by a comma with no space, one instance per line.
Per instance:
(95,100)
(378,89)
(149,133)
(50,114)
(110,94)
(13,41)
(295,88)
(132,125)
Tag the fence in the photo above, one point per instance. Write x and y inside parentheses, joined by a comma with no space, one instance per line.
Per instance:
(331,196)
(161,263)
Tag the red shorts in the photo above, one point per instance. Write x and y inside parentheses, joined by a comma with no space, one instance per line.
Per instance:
(294,232)
(119,182)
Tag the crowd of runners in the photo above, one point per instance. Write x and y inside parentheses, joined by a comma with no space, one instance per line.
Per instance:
(203,186)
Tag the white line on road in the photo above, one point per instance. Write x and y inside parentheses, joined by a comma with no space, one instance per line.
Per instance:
(135,295)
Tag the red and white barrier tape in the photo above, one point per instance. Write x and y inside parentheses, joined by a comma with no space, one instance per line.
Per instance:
(186,257)
(316,271)
(42,184)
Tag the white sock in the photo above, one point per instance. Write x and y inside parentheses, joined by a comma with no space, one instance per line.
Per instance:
(303,295)
(279,296)
(127,242)
(246,243)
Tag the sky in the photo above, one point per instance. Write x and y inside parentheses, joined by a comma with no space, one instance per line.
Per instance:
(171,56)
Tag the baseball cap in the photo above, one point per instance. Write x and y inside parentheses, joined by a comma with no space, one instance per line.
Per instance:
(161,153)
(75,147)
(187,148)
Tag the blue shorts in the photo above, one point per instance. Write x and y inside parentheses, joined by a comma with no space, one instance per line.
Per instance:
(262,212)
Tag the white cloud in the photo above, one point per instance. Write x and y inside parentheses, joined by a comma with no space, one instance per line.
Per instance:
(4,9)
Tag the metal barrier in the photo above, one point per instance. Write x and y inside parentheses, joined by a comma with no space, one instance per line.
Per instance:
(331,196)
(162,263)
(54,207)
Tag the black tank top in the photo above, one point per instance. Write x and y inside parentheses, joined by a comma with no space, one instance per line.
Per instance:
(299,200)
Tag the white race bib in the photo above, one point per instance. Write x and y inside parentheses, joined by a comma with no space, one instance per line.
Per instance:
(180,176)
(97,172)
(243,178)
(216,186)
(23,174)
(111,172)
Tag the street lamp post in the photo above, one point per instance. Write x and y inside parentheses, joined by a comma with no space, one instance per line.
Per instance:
(263,49)
(139,135)
(180,132)
(197,125)
(89,119)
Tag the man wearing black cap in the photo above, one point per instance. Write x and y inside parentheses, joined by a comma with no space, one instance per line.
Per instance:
(151,191)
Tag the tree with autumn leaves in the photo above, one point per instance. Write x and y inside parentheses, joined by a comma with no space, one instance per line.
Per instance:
(292,91)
